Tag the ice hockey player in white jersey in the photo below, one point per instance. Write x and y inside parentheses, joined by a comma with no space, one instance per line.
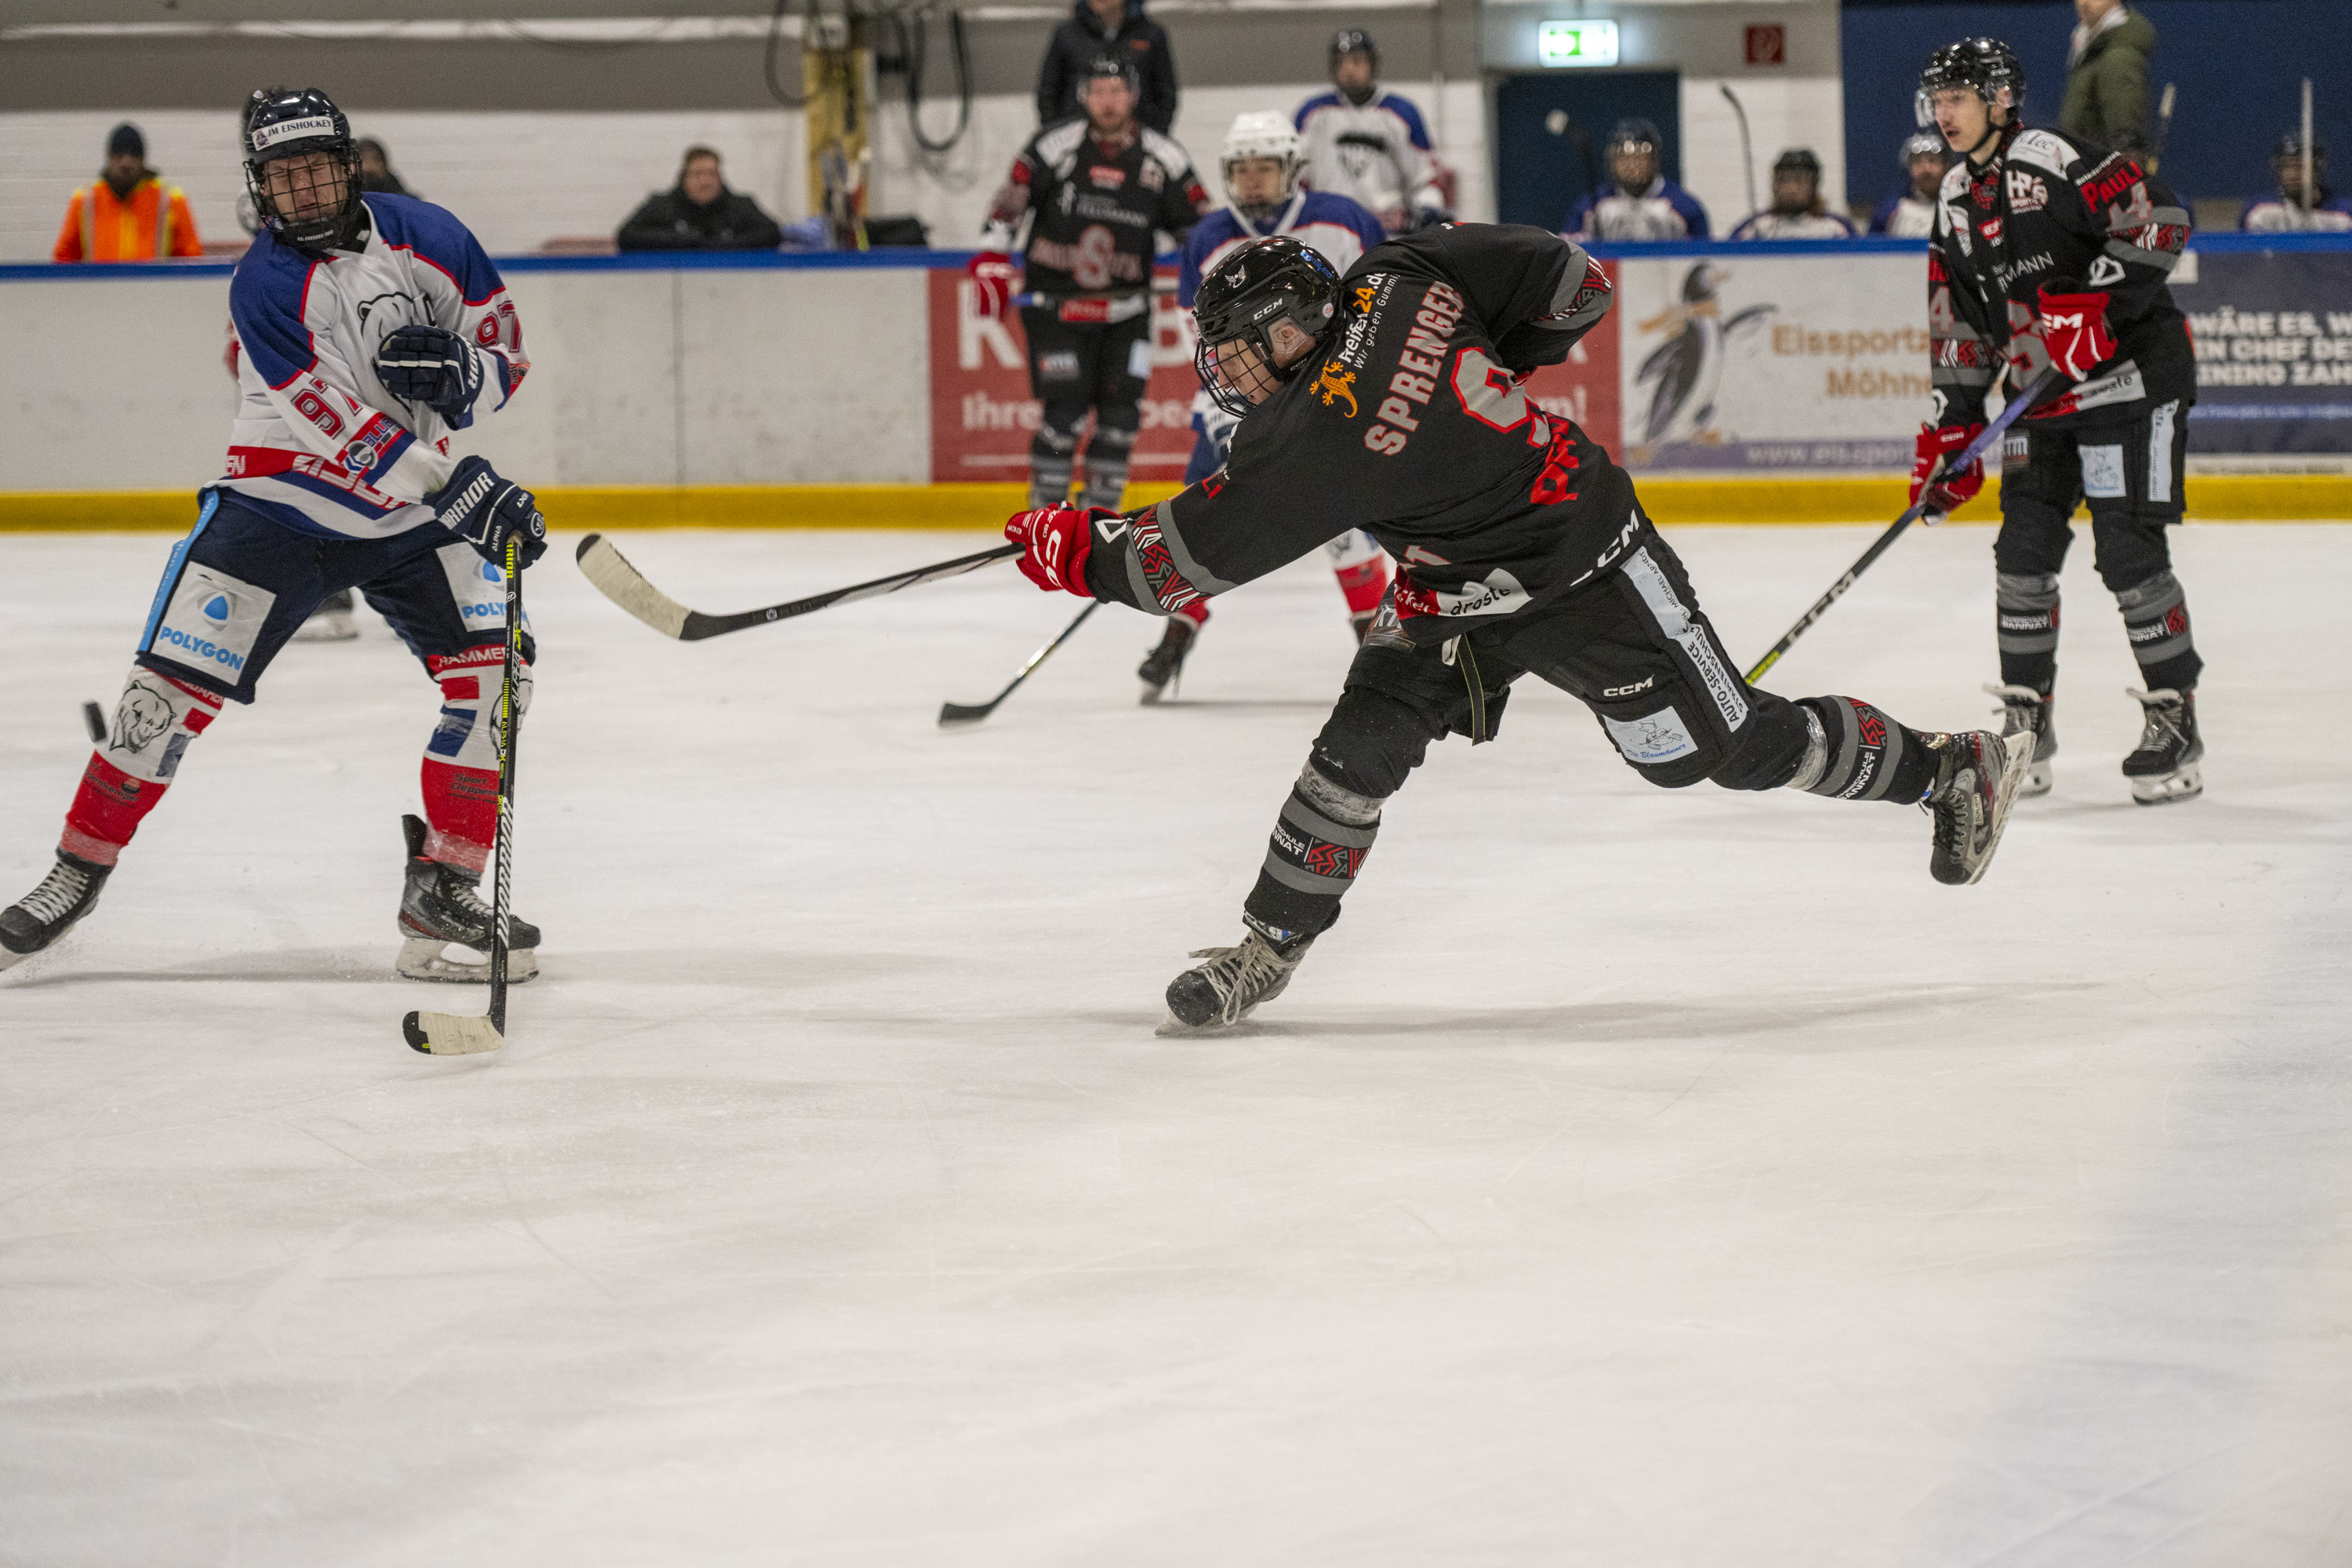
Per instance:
(372,327)
(1636,201)
(1259,165)
(1798,211)
(1367,143)
(1910,212)
(2284,210)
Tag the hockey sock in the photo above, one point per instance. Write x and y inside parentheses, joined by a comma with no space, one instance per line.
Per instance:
(460,776)
(2155,620)
(1197,612)
(2026,609)
(1854,752)
(155,720)
(1319,844)
(1107,451)
(1052,458)
(1362,570)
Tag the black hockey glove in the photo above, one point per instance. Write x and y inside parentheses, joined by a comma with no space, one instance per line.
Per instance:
(484,511)
(431,365)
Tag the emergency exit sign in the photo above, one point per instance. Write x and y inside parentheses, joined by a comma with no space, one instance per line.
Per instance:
(1575,43)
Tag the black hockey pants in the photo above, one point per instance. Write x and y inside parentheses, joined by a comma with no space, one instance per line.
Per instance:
(1075,367)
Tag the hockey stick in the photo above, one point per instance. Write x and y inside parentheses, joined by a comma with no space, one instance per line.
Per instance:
(953,713)
(450,1034)
(626,586)
(1985,441)
(1747,152)
(94,720)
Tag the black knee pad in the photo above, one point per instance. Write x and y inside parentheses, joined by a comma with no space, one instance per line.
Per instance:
(1058,424)
(1372,740)
(2131,547)
(1117,420)
(1766,751)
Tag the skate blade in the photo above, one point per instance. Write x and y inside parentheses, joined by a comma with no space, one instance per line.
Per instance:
(450,1034)
(2015,766)
(422,958)
(1153,696)
(2182,784)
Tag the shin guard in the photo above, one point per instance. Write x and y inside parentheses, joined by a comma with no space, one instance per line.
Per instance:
(1860,753)
(2027,612)
(460,775)
(1319,844)
(155,720)
(1109,450)
(2155,620)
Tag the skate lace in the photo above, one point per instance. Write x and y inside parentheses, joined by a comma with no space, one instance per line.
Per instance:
(2158,725)
(1240,973)
(57,895)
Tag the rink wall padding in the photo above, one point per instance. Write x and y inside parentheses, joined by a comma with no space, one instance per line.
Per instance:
(1778,382)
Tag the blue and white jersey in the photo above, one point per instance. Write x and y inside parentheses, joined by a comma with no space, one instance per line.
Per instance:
(1665,211)
(2275,214)
(1904,216)
(1332,225)
(1376,154)
(1770,225)
(319,444)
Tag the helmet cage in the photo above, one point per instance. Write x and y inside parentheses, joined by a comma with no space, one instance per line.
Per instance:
(283,125)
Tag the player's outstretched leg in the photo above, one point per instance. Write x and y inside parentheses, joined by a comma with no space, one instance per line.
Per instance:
(33,921)
(1163,666)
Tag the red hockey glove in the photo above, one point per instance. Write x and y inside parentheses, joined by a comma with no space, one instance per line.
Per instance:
(2074,330)
(1057,540)
(990,272)
(1953,487)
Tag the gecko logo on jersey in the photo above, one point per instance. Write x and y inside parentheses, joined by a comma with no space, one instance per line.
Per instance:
(210,622)
(1333,383)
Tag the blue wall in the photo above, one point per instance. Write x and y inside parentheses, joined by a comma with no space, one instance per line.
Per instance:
(2239,66)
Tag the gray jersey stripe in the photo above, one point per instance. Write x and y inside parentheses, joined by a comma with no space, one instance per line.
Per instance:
(1200,577)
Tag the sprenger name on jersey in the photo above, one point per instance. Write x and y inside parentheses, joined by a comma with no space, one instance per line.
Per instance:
(1420,365)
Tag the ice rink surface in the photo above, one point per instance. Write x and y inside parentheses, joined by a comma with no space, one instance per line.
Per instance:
(1633,1177)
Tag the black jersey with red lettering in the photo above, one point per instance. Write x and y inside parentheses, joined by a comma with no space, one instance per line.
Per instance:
(2056,210)
(1094,207)
(1409,421)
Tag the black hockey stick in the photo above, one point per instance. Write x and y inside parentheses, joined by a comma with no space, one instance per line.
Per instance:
(626,586)
(94,720)
(1985,441)
(954,713)
(456,1035)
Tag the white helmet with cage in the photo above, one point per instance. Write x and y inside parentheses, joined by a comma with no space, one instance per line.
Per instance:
(1261,133)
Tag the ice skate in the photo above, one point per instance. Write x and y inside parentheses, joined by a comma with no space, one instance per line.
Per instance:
(439,906)
(2163,767)
(1221,991)
(2026,711)
(1163,668)
(1976,783)
(332,621)
(35,920)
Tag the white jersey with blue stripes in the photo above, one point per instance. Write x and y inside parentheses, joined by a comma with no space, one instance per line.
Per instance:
(319,444)
(1376,154)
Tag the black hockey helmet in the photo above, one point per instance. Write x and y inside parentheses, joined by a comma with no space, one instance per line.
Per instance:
(1354,41)
(281,122)
(1262,282)
(1987,65)
(2290,150)
(1107,67)
(1798,160)
(1635,135)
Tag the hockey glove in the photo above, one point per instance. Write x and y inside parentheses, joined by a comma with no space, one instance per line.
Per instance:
(1057,540)
(484,511)
(431,365)
(1951,487)
(992,282)
(2074,330)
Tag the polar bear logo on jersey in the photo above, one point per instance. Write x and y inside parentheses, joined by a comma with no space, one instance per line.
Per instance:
(144,717)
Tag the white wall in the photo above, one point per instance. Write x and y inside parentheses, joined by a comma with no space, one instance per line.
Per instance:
(1782,112)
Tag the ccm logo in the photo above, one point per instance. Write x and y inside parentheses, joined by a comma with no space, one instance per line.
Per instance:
(1642,685)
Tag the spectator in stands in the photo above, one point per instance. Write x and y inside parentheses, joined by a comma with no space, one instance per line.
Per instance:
(1798,211)
(2106,76)
(1116,27)
(1637,201)
(2285,209)
(127,213)
(375,170)
(1366,144)
(1910,212)
(699,213)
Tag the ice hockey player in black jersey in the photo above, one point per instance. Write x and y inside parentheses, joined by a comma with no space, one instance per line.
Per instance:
(1093,192)
(2051,251)
(1391,400)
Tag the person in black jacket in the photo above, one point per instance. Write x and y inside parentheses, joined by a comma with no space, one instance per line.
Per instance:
(699,213)
(1097,28)
(1392,400)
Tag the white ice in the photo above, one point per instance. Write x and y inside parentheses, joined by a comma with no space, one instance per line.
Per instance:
(1633,1177)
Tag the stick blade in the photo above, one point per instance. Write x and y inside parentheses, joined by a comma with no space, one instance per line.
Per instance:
(953,714)
(622,584)
(450,1034)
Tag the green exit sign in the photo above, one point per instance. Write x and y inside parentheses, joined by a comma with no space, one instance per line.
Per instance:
(1575,43)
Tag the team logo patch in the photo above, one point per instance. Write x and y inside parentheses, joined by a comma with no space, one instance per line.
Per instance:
(144,716)
(1659,737)
(1334,383)
(211,623)
(2103,472)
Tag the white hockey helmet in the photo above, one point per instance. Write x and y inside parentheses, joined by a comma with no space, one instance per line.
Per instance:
(1261,133)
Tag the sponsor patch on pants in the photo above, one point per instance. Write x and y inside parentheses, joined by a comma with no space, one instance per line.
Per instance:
(2103,472)
(1658,736)
(211,623)
(478,587)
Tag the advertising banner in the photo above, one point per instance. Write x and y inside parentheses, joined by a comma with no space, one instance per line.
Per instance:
(2274,335)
